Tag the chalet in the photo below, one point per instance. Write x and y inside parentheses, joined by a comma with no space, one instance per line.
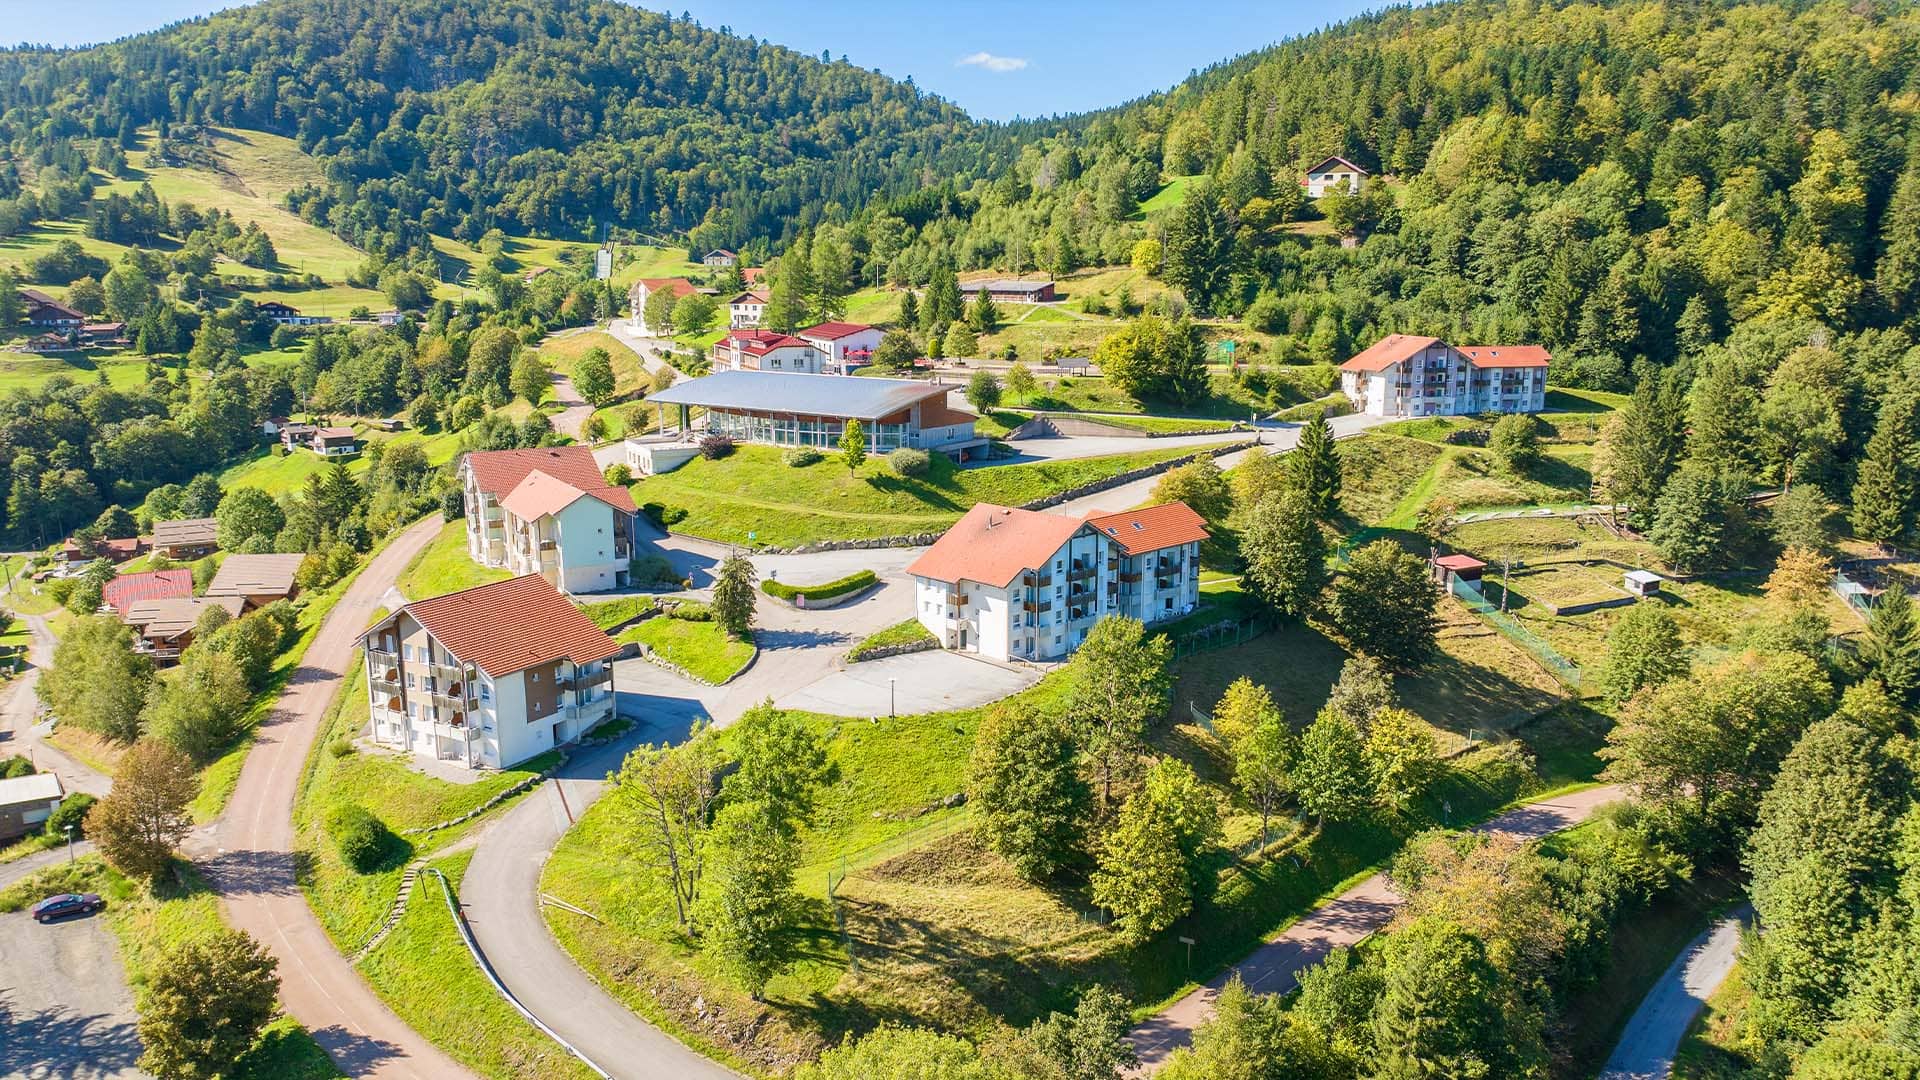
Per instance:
(164,627)
(128,589)
(843,343)
(488,677)
(1405,375)
(1020,584)
(766,350)
(335,442)
(1335,174)
(42,344)
(548,511)
(1010,292)
(535,274)
(257,580)
(721,257)
(287,315)
(185,539)
(745,311)
(638,295)
(114,551)
(783,409)
(45,312)
(294,435)
(104,333)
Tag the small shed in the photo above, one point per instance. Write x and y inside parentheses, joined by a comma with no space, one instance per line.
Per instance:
(1075,365)
(1643,583)
(1465,568)
(27,801)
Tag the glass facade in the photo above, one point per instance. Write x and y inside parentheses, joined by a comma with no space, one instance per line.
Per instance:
(818,431)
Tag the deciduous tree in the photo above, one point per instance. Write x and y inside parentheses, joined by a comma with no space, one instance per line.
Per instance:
(593,377)
(144,818)
(1024,782)
(983,392)
(666,794)
(1384,605)
(1285,554)
(1330,774)
(205,1003)
(853,445)
(1201,485)
(97,682)
(1402,758)
(1643,649)
(1117,685)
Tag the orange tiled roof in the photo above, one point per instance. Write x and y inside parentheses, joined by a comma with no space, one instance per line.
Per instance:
(512,625)
(834,331)
(498,472)
(1152,528)
(122,592)
(1506,356)
(1388,351)
(993,544)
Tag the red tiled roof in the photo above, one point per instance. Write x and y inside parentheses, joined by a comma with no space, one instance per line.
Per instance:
(678,286)
(1152,528)
(751,296)
(125,590)
(512,625)
(540,494)
(834,331)
(752,274)
(112,550)
(1506,356)
(1388,351)
(498,472)
(1459,562)
(761,342)
(993,544)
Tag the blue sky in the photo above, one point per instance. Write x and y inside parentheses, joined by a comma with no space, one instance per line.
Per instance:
(997,58)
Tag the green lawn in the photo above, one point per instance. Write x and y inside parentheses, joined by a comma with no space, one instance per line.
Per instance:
(752,497)
(897,634)
(124,370)
(607,614)
(279,474)
(702,648)
(444,566)
(1152,425)
(1169,196)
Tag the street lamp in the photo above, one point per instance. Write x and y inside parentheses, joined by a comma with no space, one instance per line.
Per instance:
(69,843)
(890,711)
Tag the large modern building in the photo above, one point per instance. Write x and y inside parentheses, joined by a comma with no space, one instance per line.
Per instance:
(1027,585)
(781,409)
(488,677)
(1402,375)
(548,511)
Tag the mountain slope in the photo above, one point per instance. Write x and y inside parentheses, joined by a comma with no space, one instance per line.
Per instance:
(456,116)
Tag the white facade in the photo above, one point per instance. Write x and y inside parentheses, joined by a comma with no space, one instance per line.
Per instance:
(745,311)
(836,349)
(1046,612)
(1333,174)
(427,701)
(1441,380)
(799,359)
(583,547)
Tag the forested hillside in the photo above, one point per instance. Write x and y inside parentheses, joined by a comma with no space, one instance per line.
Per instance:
(456,116)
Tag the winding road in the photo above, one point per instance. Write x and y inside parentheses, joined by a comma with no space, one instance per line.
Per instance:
(1652,1037)
(248,855)
(1274,968)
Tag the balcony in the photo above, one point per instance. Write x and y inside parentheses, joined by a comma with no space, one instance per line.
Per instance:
(1080,573)
(1131,577)
(956,599)
(1165,582)
(1037,607)
(1036,581)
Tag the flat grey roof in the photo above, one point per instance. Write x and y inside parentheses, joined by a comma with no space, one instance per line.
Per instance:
(804,395)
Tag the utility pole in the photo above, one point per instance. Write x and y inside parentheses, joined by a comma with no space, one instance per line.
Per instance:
(1506,572)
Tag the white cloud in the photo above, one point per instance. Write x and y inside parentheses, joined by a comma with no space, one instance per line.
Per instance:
(1001,64)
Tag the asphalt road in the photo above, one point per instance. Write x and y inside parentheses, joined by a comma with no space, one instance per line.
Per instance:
(248,854)
(20,732)
(1274,968)
(1652,1036)
(65,1010)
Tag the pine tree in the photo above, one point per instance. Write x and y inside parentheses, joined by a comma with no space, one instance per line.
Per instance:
(909,310)
(1313,468)
(733,601)
(984,315)
(1640,449)
(1884,486)
(1689,520)
(1199,246)
(1897,277)
(1891,648)
(787,303)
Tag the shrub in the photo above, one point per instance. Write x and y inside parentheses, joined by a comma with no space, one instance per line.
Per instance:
(689,611)
(715,447)
(340,747)
(1473,436)
(853,582)
(15,766)
(619,474)
(908,461)
(71,812)
(663,515)
(360,837)
(802,456)
(652,570)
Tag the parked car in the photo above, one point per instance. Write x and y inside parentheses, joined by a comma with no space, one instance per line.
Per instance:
(65,904)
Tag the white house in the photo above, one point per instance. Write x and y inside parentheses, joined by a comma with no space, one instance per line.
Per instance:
(1016,584)
(1402,375)
(766,350)
(720,257)
(843,342)
(548,511)
(745,311)
(1334,173)
(488,677)
(645,287)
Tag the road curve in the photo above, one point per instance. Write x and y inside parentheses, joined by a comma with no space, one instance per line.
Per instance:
(501,892)
(249,859)
(1274,968)
(19,712)
(1652,1036)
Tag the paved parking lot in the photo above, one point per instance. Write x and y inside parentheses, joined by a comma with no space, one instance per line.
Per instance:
(65,1010)
(914,683)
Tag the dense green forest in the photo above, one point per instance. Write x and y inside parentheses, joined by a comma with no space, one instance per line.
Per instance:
(553,117)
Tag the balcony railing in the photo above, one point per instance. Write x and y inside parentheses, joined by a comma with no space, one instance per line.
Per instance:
(1131,577)
(957,599)
(1037,606)
(1079,573)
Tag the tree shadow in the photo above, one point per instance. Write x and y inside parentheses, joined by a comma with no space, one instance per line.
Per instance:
(60,1041)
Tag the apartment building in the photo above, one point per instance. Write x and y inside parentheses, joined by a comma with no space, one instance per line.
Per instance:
(488,677)
(548,511)
(1014,584)
(1403,375)
(766,350)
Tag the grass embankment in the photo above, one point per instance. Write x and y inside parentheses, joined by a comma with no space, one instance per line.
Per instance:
(829,590)
(693,643)
(422,970)
(943,933)
(148,922)
(997,422)
(753,497)
(905,633)
(607,614)
(280,474)
(444,566)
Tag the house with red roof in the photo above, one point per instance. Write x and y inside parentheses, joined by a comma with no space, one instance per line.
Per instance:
(124,591)
(1014,584)
(1405,375)
(745,311)
(548,511)
(644,288)
(766,350)
(488,677)
(843,343)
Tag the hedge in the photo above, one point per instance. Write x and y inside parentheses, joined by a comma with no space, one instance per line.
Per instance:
(360,837)
(853,582)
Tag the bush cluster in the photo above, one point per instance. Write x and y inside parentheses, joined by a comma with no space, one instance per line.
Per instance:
(908,461)
(359,837)
(715,447)
(802,456)
(853,582)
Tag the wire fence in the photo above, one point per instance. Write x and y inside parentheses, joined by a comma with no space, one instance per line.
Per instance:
(1221,635)
(1561,668)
